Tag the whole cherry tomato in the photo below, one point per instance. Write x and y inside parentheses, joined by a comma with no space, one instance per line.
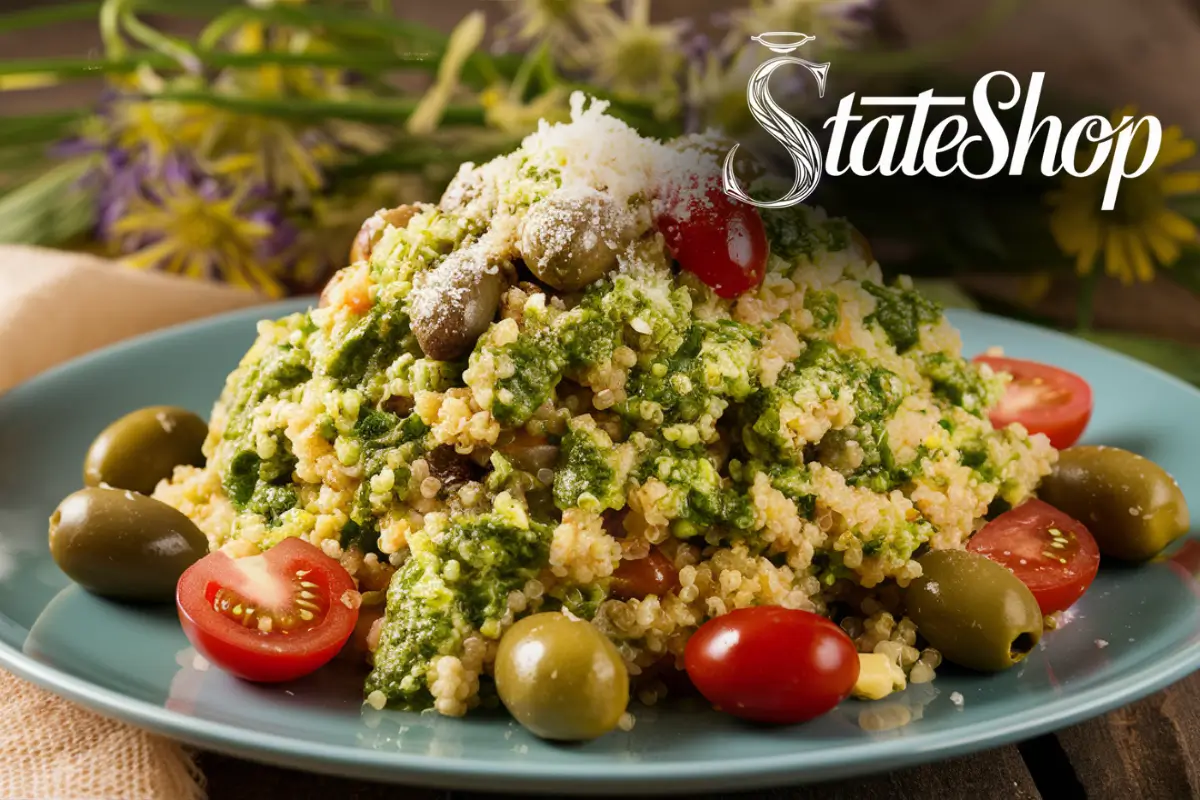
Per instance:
(716,237)
(772,664)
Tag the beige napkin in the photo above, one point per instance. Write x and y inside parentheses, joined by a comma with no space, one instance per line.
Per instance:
(55,306)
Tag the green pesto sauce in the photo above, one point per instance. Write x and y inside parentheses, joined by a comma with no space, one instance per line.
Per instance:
(590,332)
(706,501)
(371,346)
(582,601)
(648,314)
(795,232)
(825,307)
(588,468)
(879,471)
(714,362)
(875,393)
(272,501)
(901,313)
(432,605)
(958,382)
(262,486)
(974,455)
(241,477)
(380,433)
(790,480)
(281,368)
(538,363)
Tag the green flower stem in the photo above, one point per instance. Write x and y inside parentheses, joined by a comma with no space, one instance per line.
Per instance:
(37,17)
(520,81)
(218,59)
(480,70)
(110,27)
(375,110)
(38,128)
(169,46)
(545,68)
(1086,306)
(332,20)
(417,156)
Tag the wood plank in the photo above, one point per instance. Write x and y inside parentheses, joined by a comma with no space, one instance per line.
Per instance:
(1147,750)
(994,773)
(999,772)
(234,779)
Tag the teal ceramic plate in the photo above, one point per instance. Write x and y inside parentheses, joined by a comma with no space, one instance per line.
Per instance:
(1136,631)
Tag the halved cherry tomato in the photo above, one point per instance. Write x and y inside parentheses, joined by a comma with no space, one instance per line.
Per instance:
(1043,398)
(772,664)
(640,577)
(1051,553)
(719,239)
(271,617)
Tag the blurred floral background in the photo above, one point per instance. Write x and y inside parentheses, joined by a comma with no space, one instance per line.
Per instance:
(245,142)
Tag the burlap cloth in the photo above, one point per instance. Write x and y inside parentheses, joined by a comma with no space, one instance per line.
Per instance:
(55,306)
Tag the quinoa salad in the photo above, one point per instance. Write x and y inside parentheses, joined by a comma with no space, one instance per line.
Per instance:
(515,396)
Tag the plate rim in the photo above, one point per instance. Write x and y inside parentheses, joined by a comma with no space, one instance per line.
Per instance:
(801,766)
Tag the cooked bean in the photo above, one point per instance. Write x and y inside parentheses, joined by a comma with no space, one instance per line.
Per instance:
(641,577)
(455,305)
(373,229)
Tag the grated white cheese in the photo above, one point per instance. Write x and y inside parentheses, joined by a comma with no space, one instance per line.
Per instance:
(591,156)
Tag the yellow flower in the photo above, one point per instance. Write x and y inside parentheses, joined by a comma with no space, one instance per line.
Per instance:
(1141,230)
(158,127)
(560,24)
(831,21)
(196,231)
(504,109)
(637,59)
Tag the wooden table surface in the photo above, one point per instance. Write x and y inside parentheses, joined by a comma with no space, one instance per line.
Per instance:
(1144,751)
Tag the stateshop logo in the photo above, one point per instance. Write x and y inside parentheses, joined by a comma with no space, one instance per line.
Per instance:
(908,149)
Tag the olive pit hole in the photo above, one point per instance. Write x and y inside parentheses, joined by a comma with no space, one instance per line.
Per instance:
(1021,646)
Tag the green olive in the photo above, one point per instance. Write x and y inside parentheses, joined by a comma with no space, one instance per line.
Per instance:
(1129,503)
(144,447)
(973,610)
(561,678)
(121,544)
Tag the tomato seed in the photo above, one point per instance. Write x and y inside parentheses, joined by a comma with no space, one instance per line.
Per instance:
(309,609)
